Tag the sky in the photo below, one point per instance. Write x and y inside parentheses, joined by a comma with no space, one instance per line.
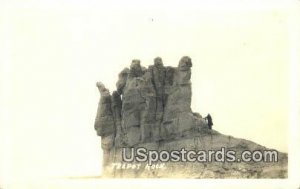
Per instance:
(53,53)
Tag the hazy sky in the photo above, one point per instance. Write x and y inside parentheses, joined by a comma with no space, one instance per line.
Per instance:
(55,51)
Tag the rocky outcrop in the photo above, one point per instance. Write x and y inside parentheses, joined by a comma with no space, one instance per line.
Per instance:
(151,108)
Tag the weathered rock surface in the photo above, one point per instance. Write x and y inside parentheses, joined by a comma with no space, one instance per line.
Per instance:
(151,108)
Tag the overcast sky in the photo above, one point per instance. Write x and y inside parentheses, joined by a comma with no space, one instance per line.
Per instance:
(55,51)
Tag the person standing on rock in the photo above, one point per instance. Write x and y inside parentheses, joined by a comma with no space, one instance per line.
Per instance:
(209,121)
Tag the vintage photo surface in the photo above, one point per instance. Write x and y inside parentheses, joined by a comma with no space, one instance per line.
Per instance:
(149,94)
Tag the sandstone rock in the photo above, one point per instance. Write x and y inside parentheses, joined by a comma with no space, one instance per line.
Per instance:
(122,80)
(104,123)
(151,108)
(211,140)
(170,72)
(159,75)
(135,69)
(184,71)
(116,109)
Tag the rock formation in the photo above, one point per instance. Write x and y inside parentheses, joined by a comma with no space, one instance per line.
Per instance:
(151,108)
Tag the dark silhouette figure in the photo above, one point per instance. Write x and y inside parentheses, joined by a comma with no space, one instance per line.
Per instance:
(209,121)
